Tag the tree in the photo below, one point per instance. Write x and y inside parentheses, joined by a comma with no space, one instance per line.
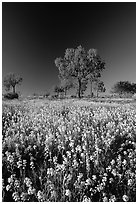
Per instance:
(100,87)
(11,81)
(124,87)
(98,65)
(66,85)
(58,90)
(47,94)
(78,65)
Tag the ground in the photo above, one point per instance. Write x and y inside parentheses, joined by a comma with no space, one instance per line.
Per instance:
(69,150)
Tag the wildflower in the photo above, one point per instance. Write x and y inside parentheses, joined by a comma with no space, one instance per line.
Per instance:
(8,187)
(40,196)
(68,193)
(78,148)
(88,182)
(11,179)
(111,180)
(31,191)
(99,187)
(125,198)
(112,198)
(53,194)
(28,182)
(15,196)
(105,199)
(24,162)
(16,183)
(125,152)
(104,179)
(109,168)
(80,176)
(19,164)
(114,172)
(129,182)
(32,165)
(112,162)
(124,162)
(50,171)
(10,158)
(24,196)
(86,199)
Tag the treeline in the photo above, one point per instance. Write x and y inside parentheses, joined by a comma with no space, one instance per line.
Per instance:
(77,68)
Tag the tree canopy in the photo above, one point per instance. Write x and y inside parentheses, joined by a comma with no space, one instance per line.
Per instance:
(11,80)
(79,65)
(124,87)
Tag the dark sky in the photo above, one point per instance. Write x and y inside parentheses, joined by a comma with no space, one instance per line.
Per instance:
(34,34)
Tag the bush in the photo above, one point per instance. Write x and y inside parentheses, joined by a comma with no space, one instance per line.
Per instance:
(73,96)
(11,96)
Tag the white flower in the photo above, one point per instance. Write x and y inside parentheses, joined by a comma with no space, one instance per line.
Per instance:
(105,199)
(125,198)
(94,177)
(68,193)
(112,198)
(8,187)
(86,199)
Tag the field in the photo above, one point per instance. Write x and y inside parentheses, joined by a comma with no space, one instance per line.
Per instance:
(69,150)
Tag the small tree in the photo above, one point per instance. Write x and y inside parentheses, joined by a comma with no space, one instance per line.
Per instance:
(58,90)
(11,81)
(124,87)
(99,87)
(47,94)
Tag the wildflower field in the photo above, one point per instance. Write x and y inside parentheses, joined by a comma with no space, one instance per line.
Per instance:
(68,151)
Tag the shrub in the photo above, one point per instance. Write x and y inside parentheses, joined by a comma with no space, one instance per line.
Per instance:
(73,96)
(11,96)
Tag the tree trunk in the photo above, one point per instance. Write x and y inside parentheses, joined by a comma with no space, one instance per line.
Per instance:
(65,91)
(91,94)
(13,87)
(97,93)
(79,90)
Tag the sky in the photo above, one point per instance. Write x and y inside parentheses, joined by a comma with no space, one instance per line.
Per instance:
(35,34)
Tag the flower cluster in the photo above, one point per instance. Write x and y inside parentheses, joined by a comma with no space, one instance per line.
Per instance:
(68,151)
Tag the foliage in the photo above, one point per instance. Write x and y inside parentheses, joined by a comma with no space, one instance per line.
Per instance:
(66,85)
(47,94)
(98,65)
(58,90)
(68,152)
(11,96)
(99,86)
(124,87)
(78,65)
(11,80)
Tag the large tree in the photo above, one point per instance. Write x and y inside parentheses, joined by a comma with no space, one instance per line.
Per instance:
(124,87)
(11,81)
(98,65)
(78,65)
